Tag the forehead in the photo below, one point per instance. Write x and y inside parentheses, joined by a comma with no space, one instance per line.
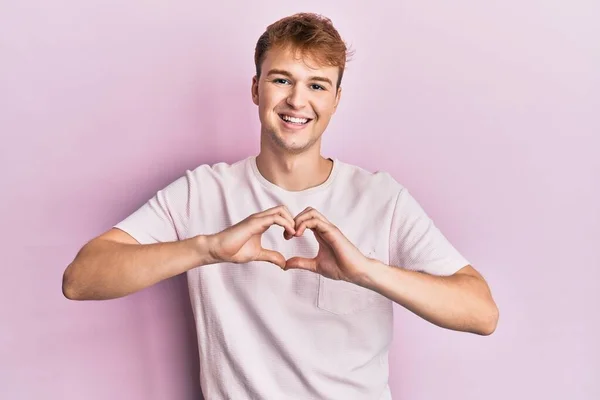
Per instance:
(297,63)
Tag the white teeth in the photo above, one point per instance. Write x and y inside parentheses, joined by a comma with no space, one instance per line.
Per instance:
(294,119)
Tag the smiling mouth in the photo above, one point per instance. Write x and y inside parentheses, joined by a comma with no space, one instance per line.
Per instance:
(294,120)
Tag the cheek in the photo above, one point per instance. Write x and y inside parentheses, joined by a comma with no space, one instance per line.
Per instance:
(269,100)
(323,110)
(263,102)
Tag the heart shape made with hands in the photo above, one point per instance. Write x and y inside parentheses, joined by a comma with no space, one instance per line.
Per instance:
(337,258)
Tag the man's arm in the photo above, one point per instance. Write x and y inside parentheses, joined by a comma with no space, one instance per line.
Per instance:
(461,301)
(114,265)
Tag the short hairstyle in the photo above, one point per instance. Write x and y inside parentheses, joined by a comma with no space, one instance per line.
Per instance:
(309,34)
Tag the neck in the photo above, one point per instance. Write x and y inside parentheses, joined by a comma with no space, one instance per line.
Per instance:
(294,172)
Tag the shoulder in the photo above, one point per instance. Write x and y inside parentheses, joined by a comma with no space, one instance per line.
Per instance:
(220,172)
(205,178)
(380,183)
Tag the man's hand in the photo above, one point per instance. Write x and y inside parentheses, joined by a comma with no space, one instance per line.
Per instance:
(337,257)
(241,243)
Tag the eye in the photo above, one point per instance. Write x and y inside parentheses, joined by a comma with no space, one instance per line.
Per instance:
(317,87)
(281,80)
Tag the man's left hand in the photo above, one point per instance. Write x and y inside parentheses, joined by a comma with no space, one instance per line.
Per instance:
(337,257)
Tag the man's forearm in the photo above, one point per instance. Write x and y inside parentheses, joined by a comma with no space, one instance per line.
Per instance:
(460,302)
(104,269)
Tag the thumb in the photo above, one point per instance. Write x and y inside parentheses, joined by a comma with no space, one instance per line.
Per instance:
(309,264)
(272,257)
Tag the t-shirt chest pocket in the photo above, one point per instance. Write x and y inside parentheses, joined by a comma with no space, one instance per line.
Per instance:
(344,298)
(334,296)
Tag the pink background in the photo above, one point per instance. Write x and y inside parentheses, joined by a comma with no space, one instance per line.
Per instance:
(488,113)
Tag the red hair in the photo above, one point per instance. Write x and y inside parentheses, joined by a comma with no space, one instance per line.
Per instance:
(309,34)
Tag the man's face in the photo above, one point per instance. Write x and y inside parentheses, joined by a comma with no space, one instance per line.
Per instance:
(295,98)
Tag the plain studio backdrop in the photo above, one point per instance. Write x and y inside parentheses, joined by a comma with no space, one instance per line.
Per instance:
(488,112)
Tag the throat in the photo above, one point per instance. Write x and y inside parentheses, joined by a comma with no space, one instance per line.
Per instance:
(295,175)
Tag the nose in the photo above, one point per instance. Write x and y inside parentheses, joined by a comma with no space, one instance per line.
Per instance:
(297,97)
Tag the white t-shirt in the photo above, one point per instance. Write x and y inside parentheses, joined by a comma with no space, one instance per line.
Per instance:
(264,333)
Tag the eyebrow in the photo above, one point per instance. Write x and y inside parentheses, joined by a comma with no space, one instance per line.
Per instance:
(312,78)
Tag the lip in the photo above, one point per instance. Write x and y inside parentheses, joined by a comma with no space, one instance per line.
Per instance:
(293,127)
(291,114)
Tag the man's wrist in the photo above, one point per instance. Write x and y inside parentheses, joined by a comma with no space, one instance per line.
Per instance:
(373,272)
(203,246)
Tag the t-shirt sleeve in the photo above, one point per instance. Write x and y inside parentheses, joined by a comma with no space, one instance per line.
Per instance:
(163,218)
(417,244)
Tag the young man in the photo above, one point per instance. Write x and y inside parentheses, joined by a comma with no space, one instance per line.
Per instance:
(353,242)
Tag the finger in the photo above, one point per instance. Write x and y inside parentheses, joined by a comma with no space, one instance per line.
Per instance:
(286,224)
(309,264)
(272,257)
(316,225)
(285,213)
(268,211)
(309,212)
(259,225)
(306,210)
(281,210)
(288,217)
(312,214)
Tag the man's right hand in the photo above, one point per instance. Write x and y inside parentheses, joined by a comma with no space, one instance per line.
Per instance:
(115,264)
(241,243)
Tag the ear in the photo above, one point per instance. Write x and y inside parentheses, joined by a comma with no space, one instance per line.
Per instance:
(338,96)
(255,90)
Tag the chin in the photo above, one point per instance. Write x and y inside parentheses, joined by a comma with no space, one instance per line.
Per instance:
(285,144)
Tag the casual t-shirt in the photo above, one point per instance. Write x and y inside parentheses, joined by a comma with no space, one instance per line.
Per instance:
(265,333)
